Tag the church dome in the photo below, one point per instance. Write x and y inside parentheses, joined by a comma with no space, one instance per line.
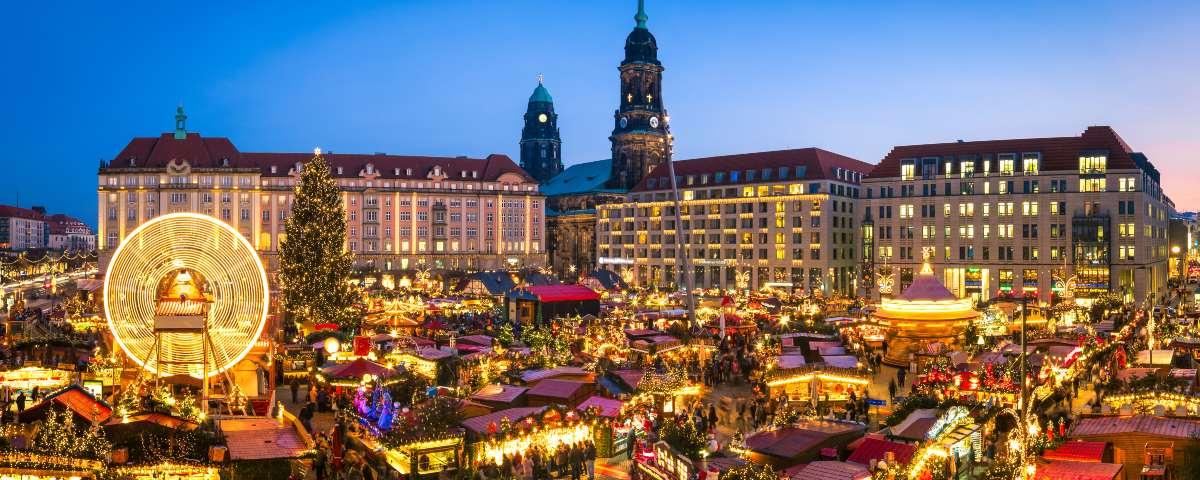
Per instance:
(540,94)
(640,46)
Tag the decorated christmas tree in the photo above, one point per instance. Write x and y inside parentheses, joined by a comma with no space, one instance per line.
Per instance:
(314,262)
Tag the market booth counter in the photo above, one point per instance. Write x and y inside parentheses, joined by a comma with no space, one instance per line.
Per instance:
(816,382)
(662,462)
(513,431)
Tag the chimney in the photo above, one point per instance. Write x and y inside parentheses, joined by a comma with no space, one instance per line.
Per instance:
(39,209)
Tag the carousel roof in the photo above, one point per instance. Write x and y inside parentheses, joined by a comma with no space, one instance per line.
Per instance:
(926,287)
(927,299)
(358,368)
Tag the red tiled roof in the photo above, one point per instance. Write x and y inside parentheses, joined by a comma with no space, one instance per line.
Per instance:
(1058,153)
(877,449)
(9,211)
(59,224)
(260,438)
(1078,452)
(563,293)
(818,165)
(213,152)
(1147,424)
(1062,470)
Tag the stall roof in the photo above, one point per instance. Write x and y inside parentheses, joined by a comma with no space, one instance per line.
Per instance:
(480,424)
(841,361)
(562,293)
(531,376)
(791,361)
(830,470)
(499,393)
(555,388)
(1078,452)
(789,442)
(481,340)
(1065,470)
(916,424)
(74,398)
(607,406)
(877,448)
(1151,425)
(260,438)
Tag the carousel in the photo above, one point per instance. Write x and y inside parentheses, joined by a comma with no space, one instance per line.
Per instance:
(925,313)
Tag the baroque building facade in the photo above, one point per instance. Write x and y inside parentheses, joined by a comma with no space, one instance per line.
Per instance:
(1018,217)
(402,212)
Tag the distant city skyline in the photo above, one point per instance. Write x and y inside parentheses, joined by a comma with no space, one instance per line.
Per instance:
(452,78)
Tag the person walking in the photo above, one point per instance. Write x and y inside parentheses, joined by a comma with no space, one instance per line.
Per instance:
(892,389)
(589,456)
(21,401)
(295,390)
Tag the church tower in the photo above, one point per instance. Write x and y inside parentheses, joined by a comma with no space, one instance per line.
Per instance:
(641,137)
(540,142)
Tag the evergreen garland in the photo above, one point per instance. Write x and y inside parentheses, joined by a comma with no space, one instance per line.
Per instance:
(315,265)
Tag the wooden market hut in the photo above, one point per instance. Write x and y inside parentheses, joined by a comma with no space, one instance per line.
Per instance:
(538,304)
(559,392)
(1137,437)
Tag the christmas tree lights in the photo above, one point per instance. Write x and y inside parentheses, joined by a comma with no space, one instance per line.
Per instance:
(315,264)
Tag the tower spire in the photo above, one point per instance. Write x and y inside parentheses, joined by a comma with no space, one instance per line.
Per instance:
(180,123)
(641,14)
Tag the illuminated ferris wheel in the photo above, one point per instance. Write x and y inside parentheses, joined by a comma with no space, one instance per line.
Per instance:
(186,294)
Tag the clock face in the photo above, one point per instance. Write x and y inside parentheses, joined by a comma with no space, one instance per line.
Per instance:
(542,117)
(653,122)
(624,122)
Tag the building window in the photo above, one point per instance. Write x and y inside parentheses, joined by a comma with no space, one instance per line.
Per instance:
(1093,164)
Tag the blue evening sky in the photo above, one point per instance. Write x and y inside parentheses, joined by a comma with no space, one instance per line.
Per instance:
(452,78)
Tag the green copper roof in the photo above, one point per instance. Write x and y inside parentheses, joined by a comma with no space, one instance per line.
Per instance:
(641,14)
(540,94)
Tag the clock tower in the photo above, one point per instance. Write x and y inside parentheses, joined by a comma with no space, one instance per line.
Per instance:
(540,142)
(641,137)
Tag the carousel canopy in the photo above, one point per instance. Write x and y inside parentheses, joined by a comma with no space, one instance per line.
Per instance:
(358,368)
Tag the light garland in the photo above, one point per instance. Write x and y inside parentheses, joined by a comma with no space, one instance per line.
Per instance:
(198,243)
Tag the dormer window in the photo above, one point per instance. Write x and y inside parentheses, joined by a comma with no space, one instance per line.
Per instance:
(133,161)
(463,174)
(408,171)
(396,171)
(274,169)
(474,173)
(339,170)
(225,161)
(370,168)
(299,167)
